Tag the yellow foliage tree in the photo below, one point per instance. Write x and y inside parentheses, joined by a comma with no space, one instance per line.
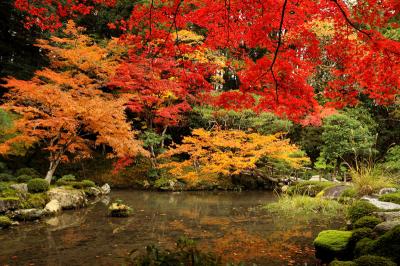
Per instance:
(62,107)
(227,152)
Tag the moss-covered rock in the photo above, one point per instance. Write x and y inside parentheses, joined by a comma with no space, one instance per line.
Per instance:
(370,260)
(367,221)
(5,177)
(35,201)
(359,234)
(117,209)
(38,185)
(5,222)
(331,244)
(363,247)
(388,245)
(391,197)
(9,203)
(342,263)
(309,188)
(360,209)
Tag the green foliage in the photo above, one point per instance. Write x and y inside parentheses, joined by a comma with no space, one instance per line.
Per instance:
(331,244)
(391,197)
(24,178)
(83,184)
(305,206)
(28,171)
(186,253)
(364,246)
(367,221)
(309,188)
(346,137)
(162,183)
(360,209)
(342,263)
(3,186)
(5,222)
(38,185)
(4,177)
(66,180)
(360,233)
(370,260)
(348,195)
(369,178)
(392,159)
(388,245)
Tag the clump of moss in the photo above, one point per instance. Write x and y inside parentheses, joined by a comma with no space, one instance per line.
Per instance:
(391,197)
(308,188)
(37,201)
(348,195)
(367,221)
(118,209)
(371,260)
(331,244)
(388,245)
(24,178)
(364,246)
(28,171)
(38,185)
(5,222)
(359,234)
(360,209)
(5,177)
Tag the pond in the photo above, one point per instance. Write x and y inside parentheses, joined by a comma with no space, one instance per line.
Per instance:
(231,224)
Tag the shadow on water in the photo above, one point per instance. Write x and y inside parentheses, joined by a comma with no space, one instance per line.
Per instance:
(230,224)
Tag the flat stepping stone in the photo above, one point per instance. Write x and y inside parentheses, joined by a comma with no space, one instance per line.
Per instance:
(382,204)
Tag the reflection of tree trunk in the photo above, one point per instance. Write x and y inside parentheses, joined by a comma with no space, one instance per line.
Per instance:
(52,169)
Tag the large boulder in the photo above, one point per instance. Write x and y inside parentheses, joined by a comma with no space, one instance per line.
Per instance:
(386,226)
(53,207)
(331,244)
(22,187)
(68,198)
(10,203)
(28,214)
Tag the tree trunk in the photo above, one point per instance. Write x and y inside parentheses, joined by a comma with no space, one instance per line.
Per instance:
(52,169)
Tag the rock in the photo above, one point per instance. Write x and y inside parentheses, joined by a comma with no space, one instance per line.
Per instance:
(386,226)
(334,192)
(381,204)
(94,191)
(105,189)
(53,207)
(5,222)
(28,214)
(318,178)
(22,187)
(68,198)
(384,191)
(119,210)
(331,244)
(9,204)
(388,216)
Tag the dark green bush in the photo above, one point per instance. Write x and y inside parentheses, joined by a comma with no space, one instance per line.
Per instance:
(308,188)
(370,260)
(28,171)
(24,178)
(360,209)
(4,177)
(342,263)
(66,180)
(367,221)
(38,185)
(83,184)
(364,246)
(388,245)
(391,197)
(359,234)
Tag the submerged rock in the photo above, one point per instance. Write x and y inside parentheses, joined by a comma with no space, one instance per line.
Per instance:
(28,214)
(68,198)
(381,204)
(53,207)
(119,210)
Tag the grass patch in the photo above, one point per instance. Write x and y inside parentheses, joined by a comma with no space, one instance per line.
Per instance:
(307,206)
(392,197)
(369,179)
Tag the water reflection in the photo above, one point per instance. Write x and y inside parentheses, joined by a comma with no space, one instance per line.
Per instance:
(228,223)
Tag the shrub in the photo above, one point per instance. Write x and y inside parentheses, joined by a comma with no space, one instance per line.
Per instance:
(360,209)
(308,188)
(5,222)
(369,179)
(367,221)
(331,244)
(370,260)
(83,184)
(24,178)
(359,234)
(391,197)
(28,171)
(66,180)
(38,185)
(4,177)
(342,263)
(364,246)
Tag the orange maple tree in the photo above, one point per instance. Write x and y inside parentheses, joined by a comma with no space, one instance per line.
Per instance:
(62,108)
(217,153)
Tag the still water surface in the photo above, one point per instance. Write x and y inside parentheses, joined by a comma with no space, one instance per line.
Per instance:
(231,224)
